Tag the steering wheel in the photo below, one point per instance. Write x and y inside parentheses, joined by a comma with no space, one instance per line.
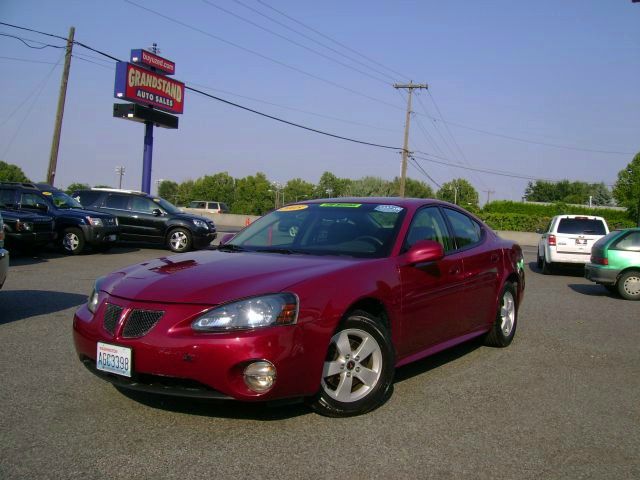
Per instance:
(370,239)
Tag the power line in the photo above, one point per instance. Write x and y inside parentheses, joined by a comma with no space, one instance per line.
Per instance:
(298,44)
(26,42)
(27,60)
(290,123)
(265,57)
(331,39)
(298,32)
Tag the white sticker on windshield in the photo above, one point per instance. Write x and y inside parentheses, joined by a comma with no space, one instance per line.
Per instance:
(388,208)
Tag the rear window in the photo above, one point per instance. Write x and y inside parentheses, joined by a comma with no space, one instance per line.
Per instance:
(582,226)
(629,242)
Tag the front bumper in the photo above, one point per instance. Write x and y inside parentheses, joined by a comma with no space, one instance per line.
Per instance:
(4,265)
(601,274)
(101,235)
(173,359)
(203,240)
(30,239)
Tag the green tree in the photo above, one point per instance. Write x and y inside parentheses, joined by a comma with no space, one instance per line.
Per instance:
(297,189)
(460,192)
(370,187)
(412,188)
(254,195)
(331,186)
(600,195)
(77,186)
(219,187)
(11,173)
(168,190)
(185,193)
(626,191)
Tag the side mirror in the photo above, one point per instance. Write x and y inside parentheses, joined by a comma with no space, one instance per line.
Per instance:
(226,237)
(424,251)
(157,212)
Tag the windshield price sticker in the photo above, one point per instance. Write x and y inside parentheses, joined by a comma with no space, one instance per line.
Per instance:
(388,208)
(341,205)
(113,359)
(293,208)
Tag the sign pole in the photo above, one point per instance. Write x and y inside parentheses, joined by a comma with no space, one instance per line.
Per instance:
(147,158)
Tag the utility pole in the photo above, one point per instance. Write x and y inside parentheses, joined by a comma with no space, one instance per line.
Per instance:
(489,193)
(55,143)
(405,150)
(120,171)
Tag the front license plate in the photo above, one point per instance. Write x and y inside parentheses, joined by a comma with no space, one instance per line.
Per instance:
(113,359)
(111,238)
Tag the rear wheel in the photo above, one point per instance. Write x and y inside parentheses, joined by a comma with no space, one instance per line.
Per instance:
(358,371)
(547,267)
(504,328)
(179,240)
(629,285)
(73,241)
(539,262)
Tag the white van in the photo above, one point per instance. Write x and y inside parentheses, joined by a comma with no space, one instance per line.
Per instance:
(211,207)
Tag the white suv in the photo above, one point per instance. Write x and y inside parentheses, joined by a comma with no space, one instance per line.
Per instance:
(568,239)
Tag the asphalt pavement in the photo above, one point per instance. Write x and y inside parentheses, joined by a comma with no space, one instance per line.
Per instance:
(562,402)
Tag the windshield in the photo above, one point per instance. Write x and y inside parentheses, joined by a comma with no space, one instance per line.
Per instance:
(167,206)
(62,200)
(352,229)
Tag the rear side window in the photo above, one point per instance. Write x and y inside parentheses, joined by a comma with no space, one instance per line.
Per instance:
(119,202)
(629,242)
(582,226)
(428,224)
(87,198)
(465,230)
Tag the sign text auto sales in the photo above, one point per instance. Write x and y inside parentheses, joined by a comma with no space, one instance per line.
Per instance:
(143,86)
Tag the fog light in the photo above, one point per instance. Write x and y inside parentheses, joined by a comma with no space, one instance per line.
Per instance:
(260,376)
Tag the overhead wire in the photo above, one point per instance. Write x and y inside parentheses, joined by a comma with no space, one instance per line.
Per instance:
(298,44)
(26,42)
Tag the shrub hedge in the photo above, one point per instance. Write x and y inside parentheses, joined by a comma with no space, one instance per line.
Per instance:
(529,217)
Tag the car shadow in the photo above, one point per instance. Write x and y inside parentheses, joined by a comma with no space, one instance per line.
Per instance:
(593,290)
(263,411)
(566,270)
(21,304)
(434,361)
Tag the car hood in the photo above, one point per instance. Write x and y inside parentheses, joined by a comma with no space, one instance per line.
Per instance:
(188,216)
(214,277)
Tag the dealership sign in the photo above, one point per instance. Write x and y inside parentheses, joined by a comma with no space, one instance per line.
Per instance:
(141,85)
(152,60)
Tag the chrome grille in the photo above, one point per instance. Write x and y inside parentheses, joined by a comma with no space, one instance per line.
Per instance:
(110,221)
(140,322)
(111,315)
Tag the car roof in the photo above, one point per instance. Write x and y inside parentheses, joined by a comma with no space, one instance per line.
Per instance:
(399,201)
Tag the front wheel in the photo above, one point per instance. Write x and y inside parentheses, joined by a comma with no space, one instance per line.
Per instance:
(179,240)
(504,327)
(358,371)
(629,285)
(73,241)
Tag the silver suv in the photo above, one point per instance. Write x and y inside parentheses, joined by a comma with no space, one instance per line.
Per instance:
(568,239)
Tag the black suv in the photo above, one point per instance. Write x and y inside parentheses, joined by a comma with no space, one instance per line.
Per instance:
(75,226)
(27,231)
(145,218)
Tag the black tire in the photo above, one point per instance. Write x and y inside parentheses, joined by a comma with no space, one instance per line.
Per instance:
(629,285)
(179,240)
(351,385)
(504,327)
(539,262)
(73,241)
(547,267)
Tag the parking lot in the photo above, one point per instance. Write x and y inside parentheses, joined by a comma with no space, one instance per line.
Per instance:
(562,402)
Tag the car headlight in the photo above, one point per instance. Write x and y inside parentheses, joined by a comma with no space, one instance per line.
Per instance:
(94,297)
(200,224)
(256,312)
(96,222)
(24,226)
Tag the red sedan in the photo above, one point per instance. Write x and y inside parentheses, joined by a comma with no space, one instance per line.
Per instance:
(319,300)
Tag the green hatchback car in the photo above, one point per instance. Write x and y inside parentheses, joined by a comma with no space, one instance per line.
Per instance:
(615,263)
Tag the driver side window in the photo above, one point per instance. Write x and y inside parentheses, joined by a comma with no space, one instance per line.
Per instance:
(428,224)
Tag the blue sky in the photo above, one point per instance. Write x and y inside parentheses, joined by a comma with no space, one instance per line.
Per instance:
(562,73)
